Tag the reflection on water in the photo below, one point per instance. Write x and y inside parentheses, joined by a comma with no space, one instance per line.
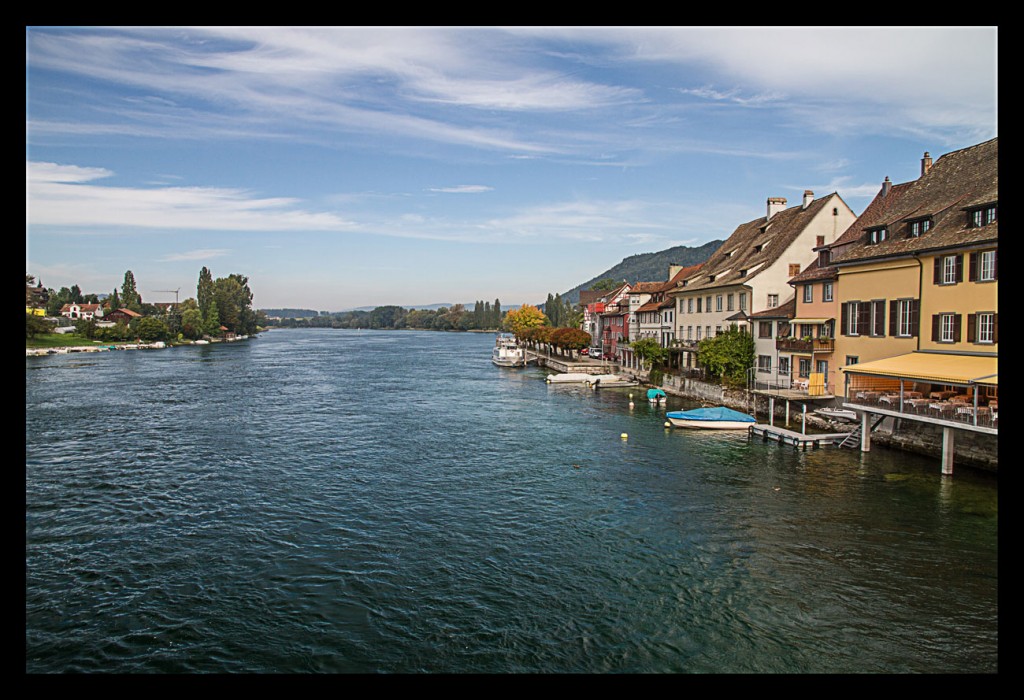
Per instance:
(332,501)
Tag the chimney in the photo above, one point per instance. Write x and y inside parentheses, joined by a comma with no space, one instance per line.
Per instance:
(808,198)
(775,205)
(886,186)
(926,164)
(673,270)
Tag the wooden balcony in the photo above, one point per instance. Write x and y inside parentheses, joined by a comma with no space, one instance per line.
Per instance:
(813,345)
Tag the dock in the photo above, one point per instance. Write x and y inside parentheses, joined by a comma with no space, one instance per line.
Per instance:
(797,440)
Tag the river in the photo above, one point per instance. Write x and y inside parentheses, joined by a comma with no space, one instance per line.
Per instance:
(338,501)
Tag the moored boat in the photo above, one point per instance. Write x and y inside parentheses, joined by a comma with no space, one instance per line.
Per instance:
(718,418)
(656,396)
(836,413)
(591,380)
(506,352)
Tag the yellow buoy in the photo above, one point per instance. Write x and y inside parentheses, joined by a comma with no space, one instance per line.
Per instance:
(624,436)
(667,424)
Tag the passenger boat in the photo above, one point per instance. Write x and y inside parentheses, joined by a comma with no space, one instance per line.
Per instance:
(506,352)
(719,418)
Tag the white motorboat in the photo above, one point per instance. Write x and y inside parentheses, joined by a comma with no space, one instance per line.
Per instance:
(507,353)
(836,413)
(591,380)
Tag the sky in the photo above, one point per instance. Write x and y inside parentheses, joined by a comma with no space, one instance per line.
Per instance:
(345,167)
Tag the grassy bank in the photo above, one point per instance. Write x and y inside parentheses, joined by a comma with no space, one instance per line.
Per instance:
(58,340)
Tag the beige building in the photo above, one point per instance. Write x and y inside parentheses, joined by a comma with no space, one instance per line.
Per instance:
(750,272)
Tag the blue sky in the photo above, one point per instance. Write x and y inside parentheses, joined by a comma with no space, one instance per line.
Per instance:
(346,167)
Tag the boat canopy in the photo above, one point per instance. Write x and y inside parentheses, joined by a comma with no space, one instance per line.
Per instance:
(654,393)
(721,413)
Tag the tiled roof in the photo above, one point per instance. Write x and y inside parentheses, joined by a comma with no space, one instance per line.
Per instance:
(650,306)
(784,310)
(814,273)
(646,287)
(589,296)
(740,250)
(955,182)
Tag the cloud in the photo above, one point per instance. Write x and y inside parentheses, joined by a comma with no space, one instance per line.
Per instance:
(202,254)
(57,196)
(462,189)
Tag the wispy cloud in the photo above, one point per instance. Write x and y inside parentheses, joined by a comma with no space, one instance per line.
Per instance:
(202,254)
(462,189)
(57,195)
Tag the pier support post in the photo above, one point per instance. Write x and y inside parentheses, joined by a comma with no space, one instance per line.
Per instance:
(771,410)
(947,451)
(787,411)
(865,432)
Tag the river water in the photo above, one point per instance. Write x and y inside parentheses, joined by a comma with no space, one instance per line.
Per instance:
(337,501)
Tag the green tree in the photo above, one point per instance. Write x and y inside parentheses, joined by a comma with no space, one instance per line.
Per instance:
(728,356)
(211,319)
(151,329)
(192,323)
(114,301)
(605,285)
(648,351)
(36,325)
(204,290)
(130,298)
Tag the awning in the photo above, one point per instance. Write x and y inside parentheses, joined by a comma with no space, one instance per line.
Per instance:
(932,367)
(810,321)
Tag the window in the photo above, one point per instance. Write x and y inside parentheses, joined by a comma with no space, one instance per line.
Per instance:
(764,329)
(718,330)
(729,302)
(794,269)
(699,301)
(856,318)
(773,301)
(983,266)
(877,234)
(783,329)
(805,367)
(743,301)
(826,291)
(903,318)
(707,304)
(826,330)
(946,328)
(949,269)
(824,257)
(784,366)
(707,331)
(920,226)
(878,318)
(698,333)
(689,305)
(718,303)
(764,363)
(806,330)
(981,327)
(852,359)
(808,293)
(689,332)
(981,216)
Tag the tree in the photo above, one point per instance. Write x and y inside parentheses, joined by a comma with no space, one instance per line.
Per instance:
(113,301)
(204,290)
(34,325)
(130,298)
(211,319)
(151,329)
(605,285)
(648,349)
(728,356)
(192,323)
(567,338)
(519,320)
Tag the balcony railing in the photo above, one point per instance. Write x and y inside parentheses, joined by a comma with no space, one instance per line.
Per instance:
(822,345)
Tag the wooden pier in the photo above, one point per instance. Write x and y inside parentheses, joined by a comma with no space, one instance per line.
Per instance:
(797,440)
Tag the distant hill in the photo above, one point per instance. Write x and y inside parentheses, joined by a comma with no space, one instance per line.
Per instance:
(648,267)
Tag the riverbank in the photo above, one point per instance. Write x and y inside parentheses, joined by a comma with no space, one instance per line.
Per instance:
(106,347)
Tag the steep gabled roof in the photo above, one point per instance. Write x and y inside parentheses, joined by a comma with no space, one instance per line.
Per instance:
(955,183)
(646,287)
(755,245)
(785,310)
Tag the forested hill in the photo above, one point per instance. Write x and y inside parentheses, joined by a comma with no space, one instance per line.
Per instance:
(648,267)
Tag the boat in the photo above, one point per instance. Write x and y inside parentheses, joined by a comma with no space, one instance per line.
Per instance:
(506,352)
(718,418)
(595,381)
(836,413)
(656,396)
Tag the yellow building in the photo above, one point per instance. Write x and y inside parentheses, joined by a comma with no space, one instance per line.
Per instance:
(916,280)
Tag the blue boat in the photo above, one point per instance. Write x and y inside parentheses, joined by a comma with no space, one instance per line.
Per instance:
(719,418)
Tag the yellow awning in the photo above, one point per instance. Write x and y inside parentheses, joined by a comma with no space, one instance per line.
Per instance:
(933,367)
(809,321)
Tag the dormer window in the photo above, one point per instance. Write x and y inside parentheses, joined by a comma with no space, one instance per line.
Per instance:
(981,216)
(711,278)
(878,234)
(824,257)
(920,226)
(743,273)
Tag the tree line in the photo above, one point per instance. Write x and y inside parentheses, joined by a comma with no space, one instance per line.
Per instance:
(222,305)
(484,316)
